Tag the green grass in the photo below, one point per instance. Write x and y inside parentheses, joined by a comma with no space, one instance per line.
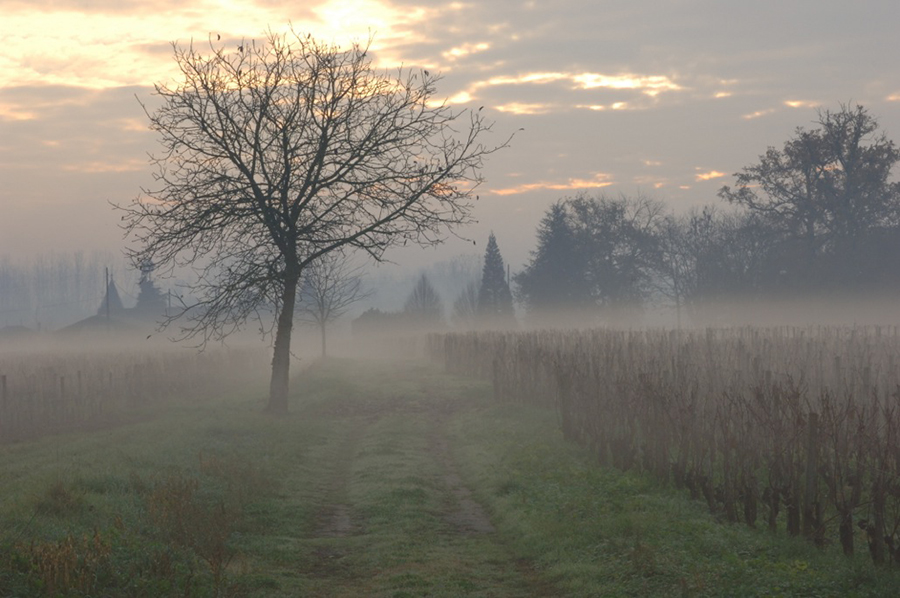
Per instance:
(597,532)
(353,494)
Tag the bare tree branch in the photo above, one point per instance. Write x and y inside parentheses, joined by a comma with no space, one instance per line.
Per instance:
(283,151)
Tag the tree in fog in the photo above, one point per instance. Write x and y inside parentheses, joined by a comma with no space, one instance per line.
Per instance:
(330,285)
(617,238)
(277,153)
(554,277)
(677,262)
(593,255)
(423,307)
(465,307)
(828,193)
(495,302)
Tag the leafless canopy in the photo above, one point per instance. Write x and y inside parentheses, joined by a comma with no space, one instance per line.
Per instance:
(278,152)
(283,151)
(330,285)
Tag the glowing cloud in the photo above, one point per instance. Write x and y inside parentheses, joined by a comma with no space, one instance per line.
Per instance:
(613,106)
(465,50)
(600,180)
(462,97)
(707,176)
(130,47)
(11,112)
(520,108)
(534,78)
(651,85)
(801,104)
(758,113)
(101,167)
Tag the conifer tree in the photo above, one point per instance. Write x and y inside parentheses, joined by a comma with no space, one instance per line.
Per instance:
(495,303)
(554,278)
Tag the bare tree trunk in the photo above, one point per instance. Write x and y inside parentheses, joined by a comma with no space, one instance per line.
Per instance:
(322,327)
(281,358)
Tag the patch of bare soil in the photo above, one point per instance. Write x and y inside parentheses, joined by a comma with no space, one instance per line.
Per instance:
(335,519)
(466,516)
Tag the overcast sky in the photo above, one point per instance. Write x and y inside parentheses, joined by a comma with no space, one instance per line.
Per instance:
(666,98)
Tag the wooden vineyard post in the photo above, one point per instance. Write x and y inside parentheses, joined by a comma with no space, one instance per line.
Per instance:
(4,412)
(810,502)
(61,408)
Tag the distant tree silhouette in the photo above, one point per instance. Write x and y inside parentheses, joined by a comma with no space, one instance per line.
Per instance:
(554,277)
(828,195)
(423,307)
(284,151)
(594,255)
(465,307)
(495,302)
(151,302)
(618,239)
(329,287)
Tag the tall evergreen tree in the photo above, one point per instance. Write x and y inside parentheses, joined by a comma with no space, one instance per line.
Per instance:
(554,278)
(495,304)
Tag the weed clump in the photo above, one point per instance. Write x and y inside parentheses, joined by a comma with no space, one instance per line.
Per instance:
(60,500)
(73,566)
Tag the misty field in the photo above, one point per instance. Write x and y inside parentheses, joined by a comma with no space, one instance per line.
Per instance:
(530,468)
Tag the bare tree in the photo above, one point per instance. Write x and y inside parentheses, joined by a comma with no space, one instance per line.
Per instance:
(329,287)
(279,152)
(465,307)
(829,187)
(423,307)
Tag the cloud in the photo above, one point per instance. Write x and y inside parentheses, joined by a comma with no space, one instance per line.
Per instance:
(10,111)
(522,108)
(802,104)
(128,45)
(613,106)
(599,180)
(757,114)
(651,85)
(648,84)
(464,50)
(708,176)
(653,181)
(107,166)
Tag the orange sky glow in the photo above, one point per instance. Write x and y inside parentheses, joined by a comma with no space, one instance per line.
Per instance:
(603,98)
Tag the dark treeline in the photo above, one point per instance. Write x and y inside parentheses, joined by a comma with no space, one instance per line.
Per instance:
(817,218)
(481,301)
(51,290)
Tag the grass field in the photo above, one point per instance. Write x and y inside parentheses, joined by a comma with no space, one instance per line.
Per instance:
(387,479)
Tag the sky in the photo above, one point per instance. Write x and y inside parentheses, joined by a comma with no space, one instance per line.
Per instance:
(667,98)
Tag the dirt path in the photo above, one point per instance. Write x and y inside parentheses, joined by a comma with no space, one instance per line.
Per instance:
(465,514)
(397,519)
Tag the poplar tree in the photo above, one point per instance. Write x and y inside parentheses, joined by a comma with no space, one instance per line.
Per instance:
(495,304)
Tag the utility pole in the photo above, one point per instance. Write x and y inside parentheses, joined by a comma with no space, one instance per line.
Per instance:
(107,294)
